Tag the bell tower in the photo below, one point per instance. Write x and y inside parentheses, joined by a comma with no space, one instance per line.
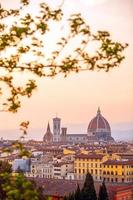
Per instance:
(56,129)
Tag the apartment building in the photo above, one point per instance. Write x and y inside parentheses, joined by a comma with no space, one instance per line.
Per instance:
(110,168)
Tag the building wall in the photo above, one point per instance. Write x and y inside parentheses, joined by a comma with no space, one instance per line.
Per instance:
(117,173)
(124,195)
(101,171)
(91,165)
(41,170)
(76,138)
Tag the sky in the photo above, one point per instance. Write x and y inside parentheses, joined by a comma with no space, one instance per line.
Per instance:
(75,99)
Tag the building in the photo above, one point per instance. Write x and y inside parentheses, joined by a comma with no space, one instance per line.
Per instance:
(61,169)
(21,164)
(117,171)
(56,129)
(48,137)
(84,163)
(98,131)
(110,168)
(42,170)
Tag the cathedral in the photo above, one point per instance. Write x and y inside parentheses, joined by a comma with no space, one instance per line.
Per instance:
(98,131)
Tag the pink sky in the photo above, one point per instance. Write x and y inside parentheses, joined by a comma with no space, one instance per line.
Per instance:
(77,97)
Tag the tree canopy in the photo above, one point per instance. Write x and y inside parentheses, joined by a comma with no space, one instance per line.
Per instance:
(103,195)
(17,187)
(24,50)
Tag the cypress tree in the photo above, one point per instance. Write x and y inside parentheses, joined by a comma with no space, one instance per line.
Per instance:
(77,195)
(88,191)
(70,197)
(103,195)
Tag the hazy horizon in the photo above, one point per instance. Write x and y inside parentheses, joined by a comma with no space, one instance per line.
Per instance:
(120,131)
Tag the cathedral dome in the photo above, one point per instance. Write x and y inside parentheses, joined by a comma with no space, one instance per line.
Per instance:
(99,123)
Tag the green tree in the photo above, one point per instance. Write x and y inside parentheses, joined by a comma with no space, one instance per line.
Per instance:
(103,195)
(77,194)
(26,36)
(5,169)
(88,191)
(71,196)
(17,187)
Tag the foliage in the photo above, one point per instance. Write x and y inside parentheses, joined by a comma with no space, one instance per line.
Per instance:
(18,145)
(78,193)
(5,168)
(17,187)
(26,37)
(103,195)
(86,193)
(88,190)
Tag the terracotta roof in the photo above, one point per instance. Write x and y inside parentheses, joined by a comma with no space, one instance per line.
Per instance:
(89,156)
(118,162)
(98,122)
(60,187)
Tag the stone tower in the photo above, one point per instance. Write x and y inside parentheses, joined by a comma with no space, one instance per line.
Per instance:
(63,134)
(48,137)
(56,129)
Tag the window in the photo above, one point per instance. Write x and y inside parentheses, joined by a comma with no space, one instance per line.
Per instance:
(91,164)
(112,173)
(79,164)
(83,164)
(79,171)
(122,179)
(96,171)
(96,165)
(83,171)
(116,179)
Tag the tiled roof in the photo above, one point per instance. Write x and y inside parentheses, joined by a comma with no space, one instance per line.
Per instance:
(118,162)
(89,156)
(60,187)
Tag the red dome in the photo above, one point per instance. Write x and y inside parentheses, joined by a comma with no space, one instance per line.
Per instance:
(99,123)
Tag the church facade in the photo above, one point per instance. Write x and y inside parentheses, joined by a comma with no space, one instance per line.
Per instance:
(98,131)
